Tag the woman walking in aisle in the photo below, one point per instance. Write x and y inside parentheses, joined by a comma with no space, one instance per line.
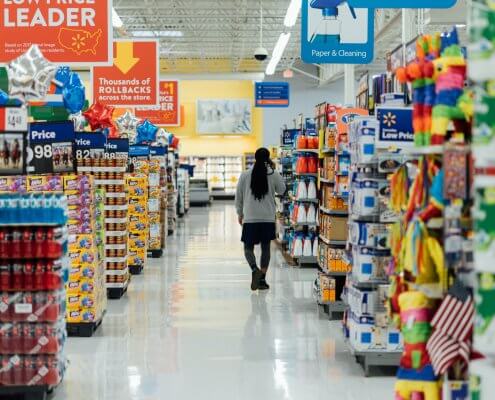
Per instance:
(255,204)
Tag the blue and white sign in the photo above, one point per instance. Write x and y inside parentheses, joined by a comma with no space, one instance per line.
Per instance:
(158,151)
(403,3)
(139,151)
(90,145)
(272,94)
(117,148)
(51,147)
(334,32)
(289,135)
(396,127)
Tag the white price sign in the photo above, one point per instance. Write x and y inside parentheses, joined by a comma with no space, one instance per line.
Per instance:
(13,119)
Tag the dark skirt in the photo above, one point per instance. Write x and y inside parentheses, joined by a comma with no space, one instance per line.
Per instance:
(258,232)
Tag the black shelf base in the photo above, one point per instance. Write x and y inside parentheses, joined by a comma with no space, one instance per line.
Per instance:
(25,392)
(155,253)
(83,329)
(116,293)
(135,269)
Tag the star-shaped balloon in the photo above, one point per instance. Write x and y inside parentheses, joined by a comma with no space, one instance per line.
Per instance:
(74,94)
(127,123)
(30,75)
(79,121)
(146,132)
(4,98)
(62,75)
(161,138)
(99,116)
(175,142)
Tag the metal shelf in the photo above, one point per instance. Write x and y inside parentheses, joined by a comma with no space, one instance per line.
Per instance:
(333,242)
(315,151)
(325,180)
(328,150)
(378,358)
(306,200)
(333,212)
(306,174)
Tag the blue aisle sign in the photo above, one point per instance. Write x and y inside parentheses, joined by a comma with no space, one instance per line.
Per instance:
(51,147)
(403,3)
(334,32)
(90,145)
(272,94)
(289,135)
(396,127)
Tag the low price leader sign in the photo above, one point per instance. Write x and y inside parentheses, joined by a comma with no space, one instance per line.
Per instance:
(76,32)
(133,79)
(168,112)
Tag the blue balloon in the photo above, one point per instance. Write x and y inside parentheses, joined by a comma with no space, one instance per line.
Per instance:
(74,94)
(146,132)
(4,98)
(62,76)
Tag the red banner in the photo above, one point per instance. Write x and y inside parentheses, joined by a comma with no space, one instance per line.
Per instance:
(70,32)
(168,112)
(133,79)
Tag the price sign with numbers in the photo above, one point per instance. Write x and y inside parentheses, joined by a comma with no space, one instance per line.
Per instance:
(12,153)
(90,145)
(51,147)
(117,148)
(13,119)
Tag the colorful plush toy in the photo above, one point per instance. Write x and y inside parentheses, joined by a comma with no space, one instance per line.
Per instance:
(450,76)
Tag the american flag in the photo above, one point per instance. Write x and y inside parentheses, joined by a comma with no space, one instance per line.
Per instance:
(453,328)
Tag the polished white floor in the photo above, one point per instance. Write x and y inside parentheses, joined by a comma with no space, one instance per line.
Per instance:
(190,329)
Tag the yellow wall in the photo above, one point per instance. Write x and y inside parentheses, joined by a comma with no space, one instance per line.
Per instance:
(206,145)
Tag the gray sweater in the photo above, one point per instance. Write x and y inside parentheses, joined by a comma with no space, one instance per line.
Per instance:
(252,210)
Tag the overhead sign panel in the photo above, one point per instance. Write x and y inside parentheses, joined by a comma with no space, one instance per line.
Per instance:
(70,32)
(133,79)
(272,94)
(403,3)
(334,32)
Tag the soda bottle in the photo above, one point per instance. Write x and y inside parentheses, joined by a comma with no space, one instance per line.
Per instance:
(17,276)
(28,243)
(5,283)
(15,244)
(4,244)
(39,246)
(28,270)
(39,275)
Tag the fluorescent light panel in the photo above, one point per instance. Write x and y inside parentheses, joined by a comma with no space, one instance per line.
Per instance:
(278,51)
(116,21)
(157,33)
(292,13)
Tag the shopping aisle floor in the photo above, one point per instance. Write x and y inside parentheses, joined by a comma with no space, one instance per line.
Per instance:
(190,328)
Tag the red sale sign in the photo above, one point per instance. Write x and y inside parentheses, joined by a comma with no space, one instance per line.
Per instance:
(168,112)
(75,32)
(133,79)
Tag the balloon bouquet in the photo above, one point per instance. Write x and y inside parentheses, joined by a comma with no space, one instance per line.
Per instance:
(32,77)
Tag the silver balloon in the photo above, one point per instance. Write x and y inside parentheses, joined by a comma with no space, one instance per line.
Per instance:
(127,124)
(79,121)
(161,138)
(30,75)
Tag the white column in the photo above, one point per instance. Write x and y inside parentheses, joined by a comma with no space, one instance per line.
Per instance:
(349,85)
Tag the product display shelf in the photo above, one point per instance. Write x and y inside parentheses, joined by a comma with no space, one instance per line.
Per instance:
(138,228)
(249,160)
(156,199)
(332,218)
(109,175)
(481,71)
(172,192)
(33,275)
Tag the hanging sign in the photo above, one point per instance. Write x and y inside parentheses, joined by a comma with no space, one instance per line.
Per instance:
(403,3)
(396,127)
(51,147)
(12,153)
(70,32)
(168,112)
(133,79)
(13,119)
(90,145)
(289,136)
(334,32)
(272,94)
(117,148)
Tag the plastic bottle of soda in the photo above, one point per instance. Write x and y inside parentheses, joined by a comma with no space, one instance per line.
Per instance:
(28,270)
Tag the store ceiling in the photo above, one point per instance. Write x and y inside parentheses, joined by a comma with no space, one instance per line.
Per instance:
(201,36)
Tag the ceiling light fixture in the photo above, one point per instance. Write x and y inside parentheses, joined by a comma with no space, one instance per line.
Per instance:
(116,20)
(278,51)
(292,13)
(157,34)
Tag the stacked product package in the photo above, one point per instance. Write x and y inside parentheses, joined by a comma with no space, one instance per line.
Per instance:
(155,195)
(367,324)
(109,174)
(86,290)
(138,221)
(481,69)
(33,272)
